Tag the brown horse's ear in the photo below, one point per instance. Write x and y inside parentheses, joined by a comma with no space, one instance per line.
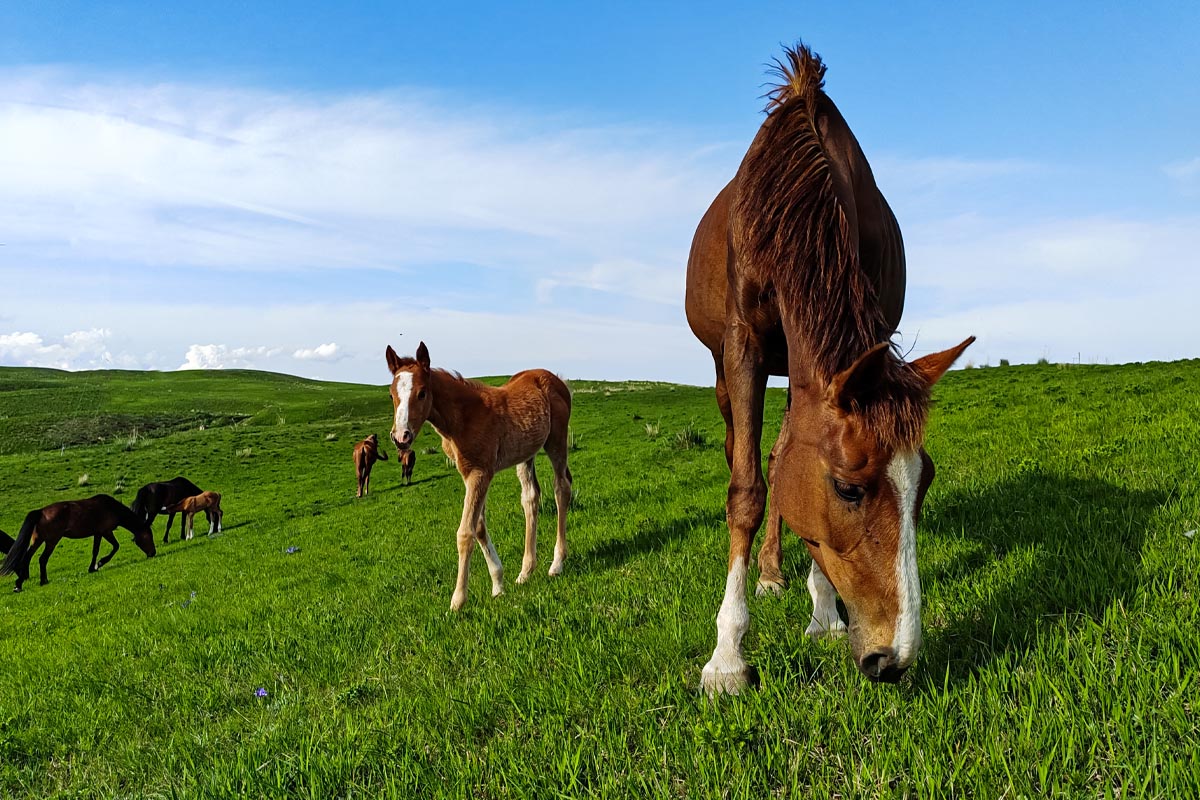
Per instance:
(423,355)
(393,360)
(860,379)
(933,366)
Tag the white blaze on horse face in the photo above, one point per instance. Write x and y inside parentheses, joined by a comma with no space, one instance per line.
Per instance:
(404,385)
(904,472)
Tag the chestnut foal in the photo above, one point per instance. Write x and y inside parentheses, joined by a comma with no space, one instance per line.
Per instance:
(486,429)
(209,502)
(366,453)
(408,460)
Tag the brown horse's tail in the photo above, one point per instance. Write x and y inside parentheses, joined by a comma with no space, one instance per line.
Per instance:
(20,547)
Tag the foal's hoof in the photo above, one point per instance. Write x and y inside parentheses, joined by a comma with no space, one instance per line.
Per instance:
(766,586)
(523,577)
(458,601)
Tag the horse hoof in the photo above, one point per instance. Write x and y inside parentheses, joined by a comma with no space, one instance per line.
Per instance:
(555,570)
(457,602)
(524,576)
(16,589)
(818,630)
(715,681)
(766,586)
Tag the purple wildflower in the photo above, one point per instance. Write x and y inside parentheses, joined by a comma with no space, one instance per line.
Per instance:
(292,549)
(260,692)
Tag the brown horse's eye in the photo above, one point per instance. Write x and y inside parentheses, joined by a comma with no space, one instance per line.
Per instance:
(421,395)
(851,493)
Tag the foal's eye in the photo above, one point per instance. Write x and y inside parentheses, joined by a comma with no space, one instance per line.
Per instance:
(850,492)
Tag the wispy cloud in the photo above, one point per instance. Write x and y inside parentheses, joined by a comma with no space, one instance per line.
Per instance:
(83,349)
(322,352)
(219,356)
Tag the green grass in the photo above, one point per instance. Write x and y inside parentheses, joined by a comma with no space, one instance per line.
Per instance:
(1060,605)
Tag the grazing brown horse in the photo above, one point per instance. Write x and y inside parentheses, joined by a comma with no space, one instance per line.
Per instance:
(96,516)
(366,453)
(189,507)
(408,460)
(486,429)
(153,499)
(797,269)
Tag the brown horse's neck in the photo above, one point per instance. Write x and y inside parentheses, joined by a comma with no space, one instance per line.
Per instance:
(453,400)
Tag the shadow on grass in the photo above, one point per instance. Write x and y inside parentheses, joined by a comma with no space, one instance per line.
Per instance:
(1036,548)
(397,487)
(650,536)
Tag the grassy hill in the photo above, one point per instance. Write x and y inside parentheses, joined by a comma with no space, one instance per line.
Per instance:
(1060,591)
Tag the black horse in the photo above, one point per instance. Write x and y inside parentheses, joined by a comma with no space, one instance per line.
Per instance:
(154,498)
(97,516)
(6,542)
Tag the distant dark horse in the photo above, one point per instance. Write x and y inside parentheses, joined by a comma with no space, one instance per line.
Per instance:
(153,499)
(96,516)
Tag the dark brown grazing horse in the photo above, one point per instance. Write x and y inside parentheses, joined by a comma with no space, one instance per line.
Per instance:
(797,269)
(485,429)
(96,516)
(153,499)
(408,460)
(189,507)
(6,542)
(366,453)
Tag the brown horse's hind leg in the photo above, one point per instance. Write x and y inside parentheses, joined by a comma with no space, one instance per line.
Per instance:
(556,449)
(531,495)
(726,412)
(111,539)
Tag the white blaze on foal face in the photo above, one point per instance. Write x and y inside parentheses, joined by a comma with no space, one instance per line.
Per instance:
(402,388)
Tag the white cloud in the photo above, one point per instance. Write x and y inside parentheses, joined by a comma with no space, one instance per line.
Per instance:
(322,352)
(219,356)
(83,349)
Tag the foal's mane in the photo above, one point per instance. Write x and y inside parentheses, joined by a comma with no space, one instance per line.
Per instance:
(787,218)
(409,361)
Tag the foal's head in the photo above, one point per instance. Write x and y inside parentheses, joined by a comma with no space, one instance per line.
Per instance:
(412,396)
(850,478)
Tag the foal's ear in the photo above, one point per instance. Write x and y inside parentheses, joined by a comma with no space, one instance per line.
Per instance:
(423,355)
(933,366)
(393,360)
(860,379)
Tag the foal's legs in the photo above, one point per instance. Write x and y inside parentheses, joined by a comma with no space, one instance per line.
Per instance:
(531,495)
(477,486)
(562,502)
(50,545)
(495,570)
(111,538)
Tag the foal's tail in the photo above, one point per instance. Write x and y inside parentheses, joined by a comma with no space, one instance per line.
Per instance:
(21,546)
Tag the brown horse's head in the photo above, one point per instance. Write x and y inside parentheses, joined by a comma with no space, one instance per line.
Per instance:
(412,396)
(849,478)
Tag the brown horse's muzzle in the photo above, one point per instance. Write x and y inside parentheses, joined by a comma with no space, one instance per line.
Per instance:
(403,441)
(880,665)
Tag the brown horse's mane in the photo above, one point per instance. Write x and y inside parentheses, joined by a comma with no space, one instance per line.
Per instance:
(787,218)
(409,361)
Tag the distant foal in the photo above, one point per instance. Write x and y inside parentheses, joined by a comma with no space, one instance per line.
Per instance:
(486,429)
(408,460)
(366,453)
(209,502)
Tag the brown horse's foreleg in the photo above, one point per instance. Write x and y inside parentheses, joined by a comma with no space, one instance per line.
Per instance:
(770,553)
(95,552)
(167,532)
(45,558)
(111,538)
(746,377)
(477,485)
(531,495)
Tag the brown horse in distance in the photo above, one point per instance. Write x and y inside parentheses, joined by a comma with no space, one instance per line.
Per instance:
(797,269)
(189,507)
(366,453)
(408,460)
(485,429)
(96,516)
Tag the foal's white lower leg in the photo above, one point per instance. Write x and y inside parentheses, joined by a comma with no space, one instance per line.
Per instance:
(531,495)
(562,503)
(495,569)
(825,618)
(726,672)
(477,486)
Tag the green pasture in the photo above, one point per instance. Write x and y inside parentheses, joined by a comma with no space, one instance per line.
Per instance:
(1061,608)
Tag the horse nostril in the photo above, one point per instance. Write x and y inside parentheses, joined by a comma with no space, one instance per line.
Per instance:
(880,665)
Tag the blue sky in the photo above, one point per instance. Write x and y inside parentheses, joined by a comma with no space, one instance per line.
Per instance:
(292,186)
